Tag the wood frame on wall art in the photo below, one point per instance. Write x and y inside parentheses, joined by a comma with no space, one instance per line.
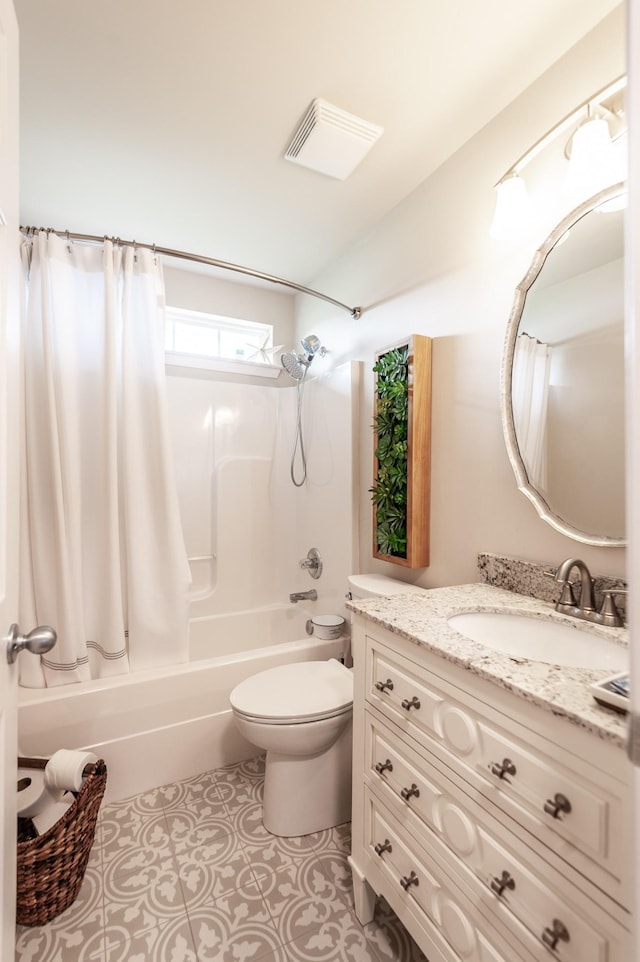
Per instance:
(418,454)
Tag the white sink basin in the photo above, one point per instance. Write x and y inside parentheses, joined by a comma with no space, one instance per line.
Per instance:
(550,641)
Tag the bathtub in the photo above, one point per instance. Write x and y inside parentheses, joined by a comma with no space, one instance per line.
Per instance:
(165,724)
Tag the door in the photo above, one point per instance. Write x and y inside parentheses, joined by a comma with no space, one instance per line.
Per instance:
(632,246)
(9,458)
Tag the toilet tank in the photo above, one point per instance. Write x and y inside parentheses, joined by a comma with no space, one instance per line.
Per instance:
(378,586)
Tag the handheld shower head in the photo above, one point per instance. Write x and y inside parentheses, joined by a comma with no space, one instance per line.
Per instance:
(311,345)
(295,365)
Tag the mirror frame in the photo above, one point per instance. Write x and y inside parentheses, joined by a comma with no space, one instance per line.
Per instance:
(522,479)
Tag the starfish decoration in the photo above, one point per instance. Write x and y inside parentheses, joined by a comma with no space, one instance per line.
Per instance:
(264,353)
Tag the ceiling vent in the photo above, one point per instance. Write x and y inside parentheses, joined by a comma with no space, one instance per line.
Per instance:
(331,141)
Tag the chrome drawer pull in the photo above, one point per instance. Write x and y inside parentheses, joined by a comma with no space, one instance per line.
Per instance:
(407,793)
(407,880)
(414,703)
(506,768)
(383,847)
(384,685)
(382,767)
(559,933)
(559,804)
(504,882)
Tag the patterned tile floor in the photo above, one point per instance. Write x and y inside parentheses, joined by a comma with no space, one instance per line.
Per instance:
(188,873)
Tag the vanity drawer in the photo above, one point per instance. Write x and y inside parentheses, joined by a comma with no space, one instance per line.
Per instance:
(520,883)
(570,931)
(412,880)
(544,788)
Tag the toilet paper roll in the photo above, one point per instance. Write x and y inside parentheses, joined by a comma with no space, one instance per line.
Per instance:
(52,812)
(33,795)
(63,771)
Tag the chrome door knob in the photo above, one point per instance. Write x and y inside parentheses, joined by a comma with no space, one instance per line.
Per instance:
(38,641)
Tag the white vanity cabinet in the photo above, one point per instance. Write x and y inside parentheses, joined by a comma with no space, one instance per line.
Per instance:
(495,830)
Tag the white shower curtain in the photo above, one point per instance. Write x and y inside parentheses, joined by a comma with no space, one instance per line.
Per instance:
(102,552)
(530,401)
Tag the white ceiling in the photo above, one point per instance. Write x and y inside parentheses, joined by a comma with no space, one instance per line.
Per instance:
(166,121)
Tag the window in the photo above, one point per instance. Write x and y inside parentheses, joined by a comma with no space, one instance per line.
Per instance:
(194,339)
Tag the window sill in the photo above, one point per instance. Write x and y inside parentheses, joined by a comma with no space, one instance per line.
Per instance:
(222,365)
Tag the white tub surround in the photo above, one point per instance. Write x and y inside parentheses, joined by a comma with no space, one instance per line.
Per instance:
(491,795)
(245,525)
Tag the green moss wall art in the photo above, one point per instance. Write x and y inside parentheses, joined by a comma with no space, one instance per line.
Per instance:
(389,490)
(401,477)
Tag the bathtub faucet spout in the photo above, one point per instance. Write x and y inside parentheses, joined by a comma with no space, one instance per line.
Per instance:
(311,595)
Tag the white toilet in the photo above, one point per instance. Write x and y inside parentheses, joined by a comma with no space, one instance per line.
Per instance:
(301,715)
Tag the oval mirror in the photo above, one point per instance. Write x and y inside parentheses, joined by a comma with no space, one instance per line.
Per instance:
(563,375)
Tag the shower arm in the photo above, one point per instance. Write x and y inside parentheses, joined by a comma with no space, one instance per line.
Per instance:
(355,312)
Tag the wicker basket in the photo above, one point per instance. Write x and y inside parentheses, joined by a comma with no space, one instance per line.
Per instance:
(51,866)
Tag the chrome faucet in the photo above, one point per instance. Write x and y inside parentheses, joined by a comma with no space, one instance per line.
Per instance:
(585,609)
(311,595)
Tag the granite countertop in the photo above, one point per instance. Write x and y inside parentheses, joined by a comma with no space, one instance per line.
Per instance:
(422,619)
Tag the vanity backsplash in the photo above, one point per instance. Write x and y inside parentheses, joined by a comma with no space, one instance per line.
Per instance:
(529,578)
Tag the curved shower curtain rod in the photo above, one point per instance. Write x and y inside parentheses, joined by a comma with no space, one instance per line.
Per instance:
(201,259)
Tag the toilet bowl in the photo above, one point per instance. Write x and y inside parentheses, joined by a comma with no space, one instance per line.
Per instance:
(301,715)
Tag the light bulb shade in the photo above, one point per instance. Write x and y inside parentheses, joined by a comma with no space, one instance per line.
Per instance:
(593,164)
(512,217)
(621,173)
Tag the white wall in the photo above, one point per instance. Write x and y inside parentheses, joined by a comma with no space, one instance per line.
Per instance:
(206,291)
(431,268)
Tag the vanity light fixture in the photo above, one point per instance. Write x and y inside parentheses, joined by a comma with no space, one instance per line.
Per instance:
(596,152)
(512,215)
(592,162)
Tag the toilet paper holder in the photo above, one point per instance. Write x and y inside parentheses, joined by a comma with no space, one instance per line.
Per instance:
(42,763)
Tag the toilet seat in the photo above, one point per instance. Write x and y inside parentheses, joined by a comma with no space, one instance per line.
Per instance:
(291,719)
(293,694)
